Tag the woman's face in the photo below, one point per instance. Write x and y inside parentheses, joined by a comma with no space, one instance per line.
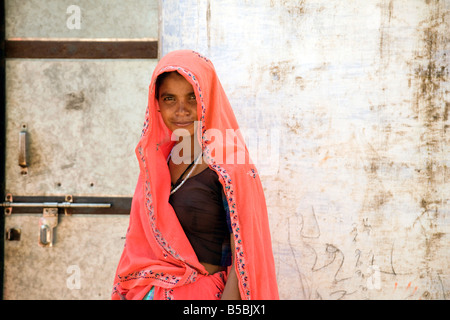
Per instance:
(178,104)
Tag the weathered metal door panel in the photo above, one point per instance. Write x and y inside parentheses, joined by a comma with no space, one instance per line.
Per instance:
(81,119)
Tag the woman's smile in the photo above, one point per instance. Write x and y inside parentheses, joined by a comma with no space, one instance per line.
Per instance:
(183,123)
(177,103)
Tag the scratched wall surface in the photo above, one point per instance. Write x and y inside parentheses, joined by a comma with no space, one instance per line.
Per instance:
(351,102)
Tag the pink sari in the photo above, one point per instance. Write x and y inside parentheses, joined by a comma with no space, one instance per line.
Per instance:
(157,253)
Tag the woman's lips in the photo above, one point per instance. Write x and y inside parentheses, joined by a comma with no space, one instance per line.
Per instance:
(183,124)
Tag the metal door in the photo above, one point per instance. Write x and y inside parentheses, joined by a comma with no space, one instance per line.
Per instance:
(76,81)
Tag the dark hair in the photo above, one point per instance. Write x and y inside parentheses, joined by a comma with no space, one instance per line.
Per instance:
(159,81)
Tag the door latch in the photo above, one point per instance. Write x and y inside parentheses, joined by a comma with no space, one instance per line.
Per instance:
(49,220)
(47,224)
(9,204)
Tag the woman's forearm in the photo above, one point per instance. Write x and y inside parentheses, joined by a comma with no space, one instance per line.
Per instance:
(231,290)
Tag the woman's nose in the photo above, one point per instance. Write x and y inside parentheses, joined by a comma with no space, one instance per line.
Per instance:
(182,107)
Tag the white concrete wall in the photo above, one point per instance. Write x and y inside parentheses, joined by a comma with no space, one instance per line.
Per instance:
(353,97)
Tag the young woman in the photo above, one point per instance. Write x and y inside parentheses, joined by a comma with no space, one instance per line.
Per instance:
(198,223)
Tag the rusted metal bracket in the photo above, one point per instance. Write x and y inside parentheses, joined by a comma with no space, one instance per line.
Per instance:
(73,49)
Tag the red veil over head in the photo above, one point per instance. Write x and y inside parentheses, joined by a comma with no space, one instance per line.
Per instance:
(157,251)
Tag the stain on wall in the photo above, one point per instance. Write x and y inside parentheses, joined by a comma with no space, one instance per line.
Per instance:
(359,98)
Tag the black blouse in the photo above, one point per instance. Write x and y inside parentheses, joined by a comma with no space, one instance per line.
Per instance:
(202,210)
